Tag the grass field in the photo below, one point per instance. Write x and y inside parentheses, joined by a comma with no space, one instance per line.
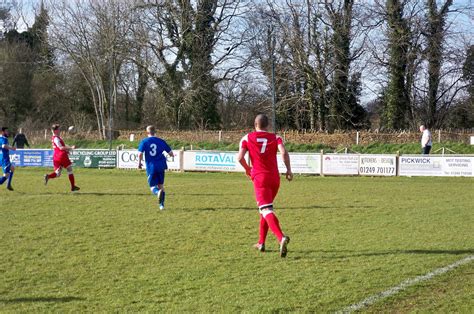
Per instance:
(108,248)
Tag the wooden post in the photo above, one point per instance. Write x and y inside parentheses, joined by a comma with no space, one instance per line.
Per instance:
(439,136)
(357,138)
(220,136)
(397,164)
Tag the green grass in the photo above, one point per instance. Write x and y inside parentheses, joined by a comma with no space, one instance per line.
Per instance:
(108,248)
(375,148)
(413,148)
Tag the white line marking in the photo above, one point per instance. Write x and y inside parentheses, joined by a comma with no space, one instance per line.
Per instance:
(410,282)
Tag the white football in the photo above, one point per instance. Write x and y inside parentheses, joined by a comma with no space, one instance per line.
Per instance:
(71,128)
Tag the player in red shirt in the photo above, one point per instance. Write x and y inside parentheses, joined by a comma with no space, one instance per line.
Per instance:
(61,158)
(263,147)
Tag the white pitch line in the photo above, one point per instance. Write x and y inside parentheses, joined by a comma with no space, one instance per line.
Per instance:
(410,282)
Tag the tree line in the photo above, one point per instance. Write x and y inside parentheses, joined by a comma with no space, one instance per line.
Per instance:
(213,64)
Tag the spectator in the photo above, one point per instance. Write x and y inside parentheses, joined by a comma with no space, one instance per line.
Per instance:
(20,140)
(425,140)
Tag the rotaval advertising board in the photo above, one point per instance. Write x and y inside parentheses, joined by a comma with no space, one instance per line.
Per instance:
(211,161)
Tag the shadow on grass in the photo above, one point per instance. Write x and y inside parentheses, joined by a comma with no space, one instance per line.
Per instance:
(215,208)
(348,253)
(208,194)
(77,194)
(111,194)
(41,299)
(249,208)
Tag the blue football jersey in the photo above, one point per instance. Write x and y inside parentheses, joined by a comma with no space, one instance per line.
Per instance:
(5,152)
(153,148)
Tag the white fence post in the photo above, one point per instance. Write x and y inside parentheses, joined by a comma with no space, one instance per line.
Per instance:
(181,160)
(357,138)
(322,160)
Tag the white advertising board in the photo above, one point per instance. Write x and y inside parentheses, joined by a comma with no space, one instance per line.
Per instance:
(378,165)
(301,163)
(211,161)
(421,166)
(128,159)
(458,166)
(437,166)
(335,164)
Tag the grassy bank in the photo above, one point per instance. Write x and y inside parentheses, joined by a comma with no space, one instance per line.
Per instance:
(376,148)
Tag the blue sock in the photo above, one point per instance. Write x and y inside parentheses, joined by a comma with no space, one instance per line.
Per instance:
(9,183)
(2,180)
(163,203)
(155,191)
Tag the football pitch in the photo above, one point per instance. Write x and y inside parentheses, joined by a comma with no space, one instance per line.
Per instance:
(108,247)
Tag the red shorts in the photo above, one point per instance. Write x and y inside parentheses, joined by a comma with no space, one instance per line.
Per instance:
(266,188)
(61,163)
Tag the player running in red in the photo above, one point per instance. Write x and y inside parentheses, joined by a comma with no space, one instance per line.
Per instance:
(61,158)
(263,147)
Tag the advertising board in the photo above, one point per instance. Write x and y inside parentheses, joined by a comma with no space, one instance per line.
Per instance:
(341,164)
(302,163)
(458,166)
(378,165)
(128,159)
(31,157)
(436,166)
(93,158)
(211,161)
(421,166)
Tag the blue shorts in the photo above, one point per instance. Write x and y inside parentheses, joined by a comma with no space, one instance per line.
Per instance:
(156,177)
(6,167)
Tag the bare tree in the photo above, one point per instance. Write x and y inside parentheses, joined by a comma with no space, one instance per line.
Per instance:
(191,44)
(92,35)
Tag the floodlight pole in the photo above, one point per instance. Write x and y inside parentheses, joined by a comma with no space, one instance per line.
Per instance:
(112,92)
(272,57)
(111,95)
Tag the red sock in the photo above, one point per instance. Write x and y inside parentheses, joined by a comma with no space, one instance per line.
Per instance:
(274,225)
(263,230)
(71,179)
(52,175)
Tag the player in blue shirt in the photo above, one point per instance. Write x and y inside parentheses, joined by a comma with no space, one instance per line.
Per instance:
(7,166)
(155,160)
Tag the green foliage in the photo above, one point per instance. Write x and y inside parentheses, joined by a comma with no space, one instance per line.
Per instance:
(27,78)
(396,102)
(108,248)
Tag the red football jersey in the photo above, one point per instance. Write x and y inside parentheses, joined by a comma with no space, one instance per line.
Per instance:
(263,148)
(57,143)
